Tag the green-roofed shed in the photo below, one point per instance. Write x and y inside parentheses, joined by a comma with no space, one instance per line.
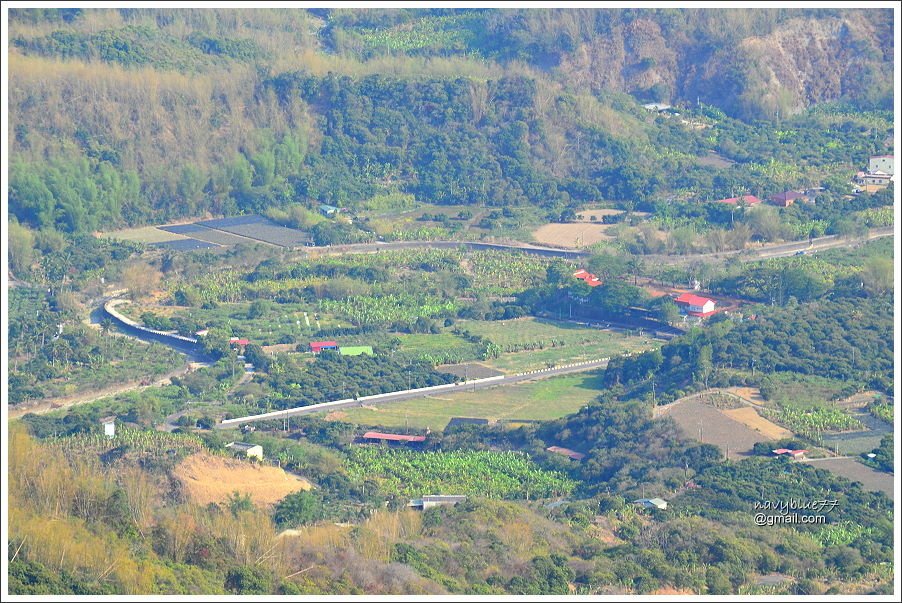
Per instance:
(355,350)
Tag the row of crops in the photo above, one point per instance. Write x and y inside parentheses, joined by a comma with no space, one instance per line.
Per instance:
(145,442)
(812,421)
(484,272)
(388,309)
(478,473)
(882,410)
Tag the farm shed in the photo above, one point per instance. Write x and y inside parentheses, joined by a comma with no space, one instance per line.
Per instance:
(109,426)
(435,500)
(651,503)
(695,305)
(355,350)
(246,450)
(396,438)
(328,210)
(574,455)
(318,346)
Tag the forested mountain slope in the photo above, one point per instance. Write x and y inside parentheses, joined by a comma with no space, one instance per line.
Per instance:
(136,115)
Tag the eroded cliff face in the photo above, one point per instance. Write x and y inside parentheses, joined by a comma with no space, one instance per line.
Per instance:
(800,62)
(633,58)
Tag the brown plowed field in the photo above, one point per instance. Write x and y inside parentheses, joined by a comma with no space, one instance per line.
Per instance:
(696,419)
(211,479)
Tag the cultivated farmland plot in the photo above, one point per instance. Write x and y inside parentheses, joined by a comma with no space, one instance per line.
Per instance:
(572,235)
(260,229)
(483,473)
(202,233)
(541,400)
(186,244)
(706,424)
(854,471)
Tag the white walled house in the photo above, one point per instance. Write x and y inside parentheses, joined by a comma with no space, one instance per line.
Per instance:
(695,305)
(246,450)
(882,163)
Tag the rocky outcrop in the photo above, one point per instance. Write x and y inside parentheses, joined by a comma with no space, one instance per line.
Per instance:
(796,63)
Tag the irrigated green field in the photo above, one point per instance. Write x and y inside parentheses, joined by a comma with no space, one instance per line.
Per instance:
(440,348)
(541,400)
(530,343)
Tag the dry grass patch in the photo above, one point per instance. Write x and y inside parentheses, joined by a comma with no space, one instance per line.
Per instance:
(752,394)
(749,417)
(573,235)
(212,479)
(146,234)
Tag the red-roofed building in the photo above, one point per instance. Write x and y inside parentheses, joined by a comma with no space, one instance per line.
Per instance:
(695,305)
(747,199)
(574,455)
(796,454)
(237,341)
(318,346)
(377,436)
(587,277)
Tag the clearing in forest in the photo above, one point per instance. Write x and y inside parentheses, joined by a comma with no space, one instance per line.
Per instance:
(703,422)
(212,479)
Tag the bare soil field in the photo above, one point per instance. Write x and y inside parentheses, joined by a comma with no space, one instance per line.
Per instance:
(280,348)
(875,481)
(210,479)
(711,426)
(572,235)
(749,417)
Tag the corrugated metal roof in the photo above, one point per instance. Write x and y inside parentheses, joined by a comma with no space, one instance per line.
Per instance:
(576,456)
(392,437)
